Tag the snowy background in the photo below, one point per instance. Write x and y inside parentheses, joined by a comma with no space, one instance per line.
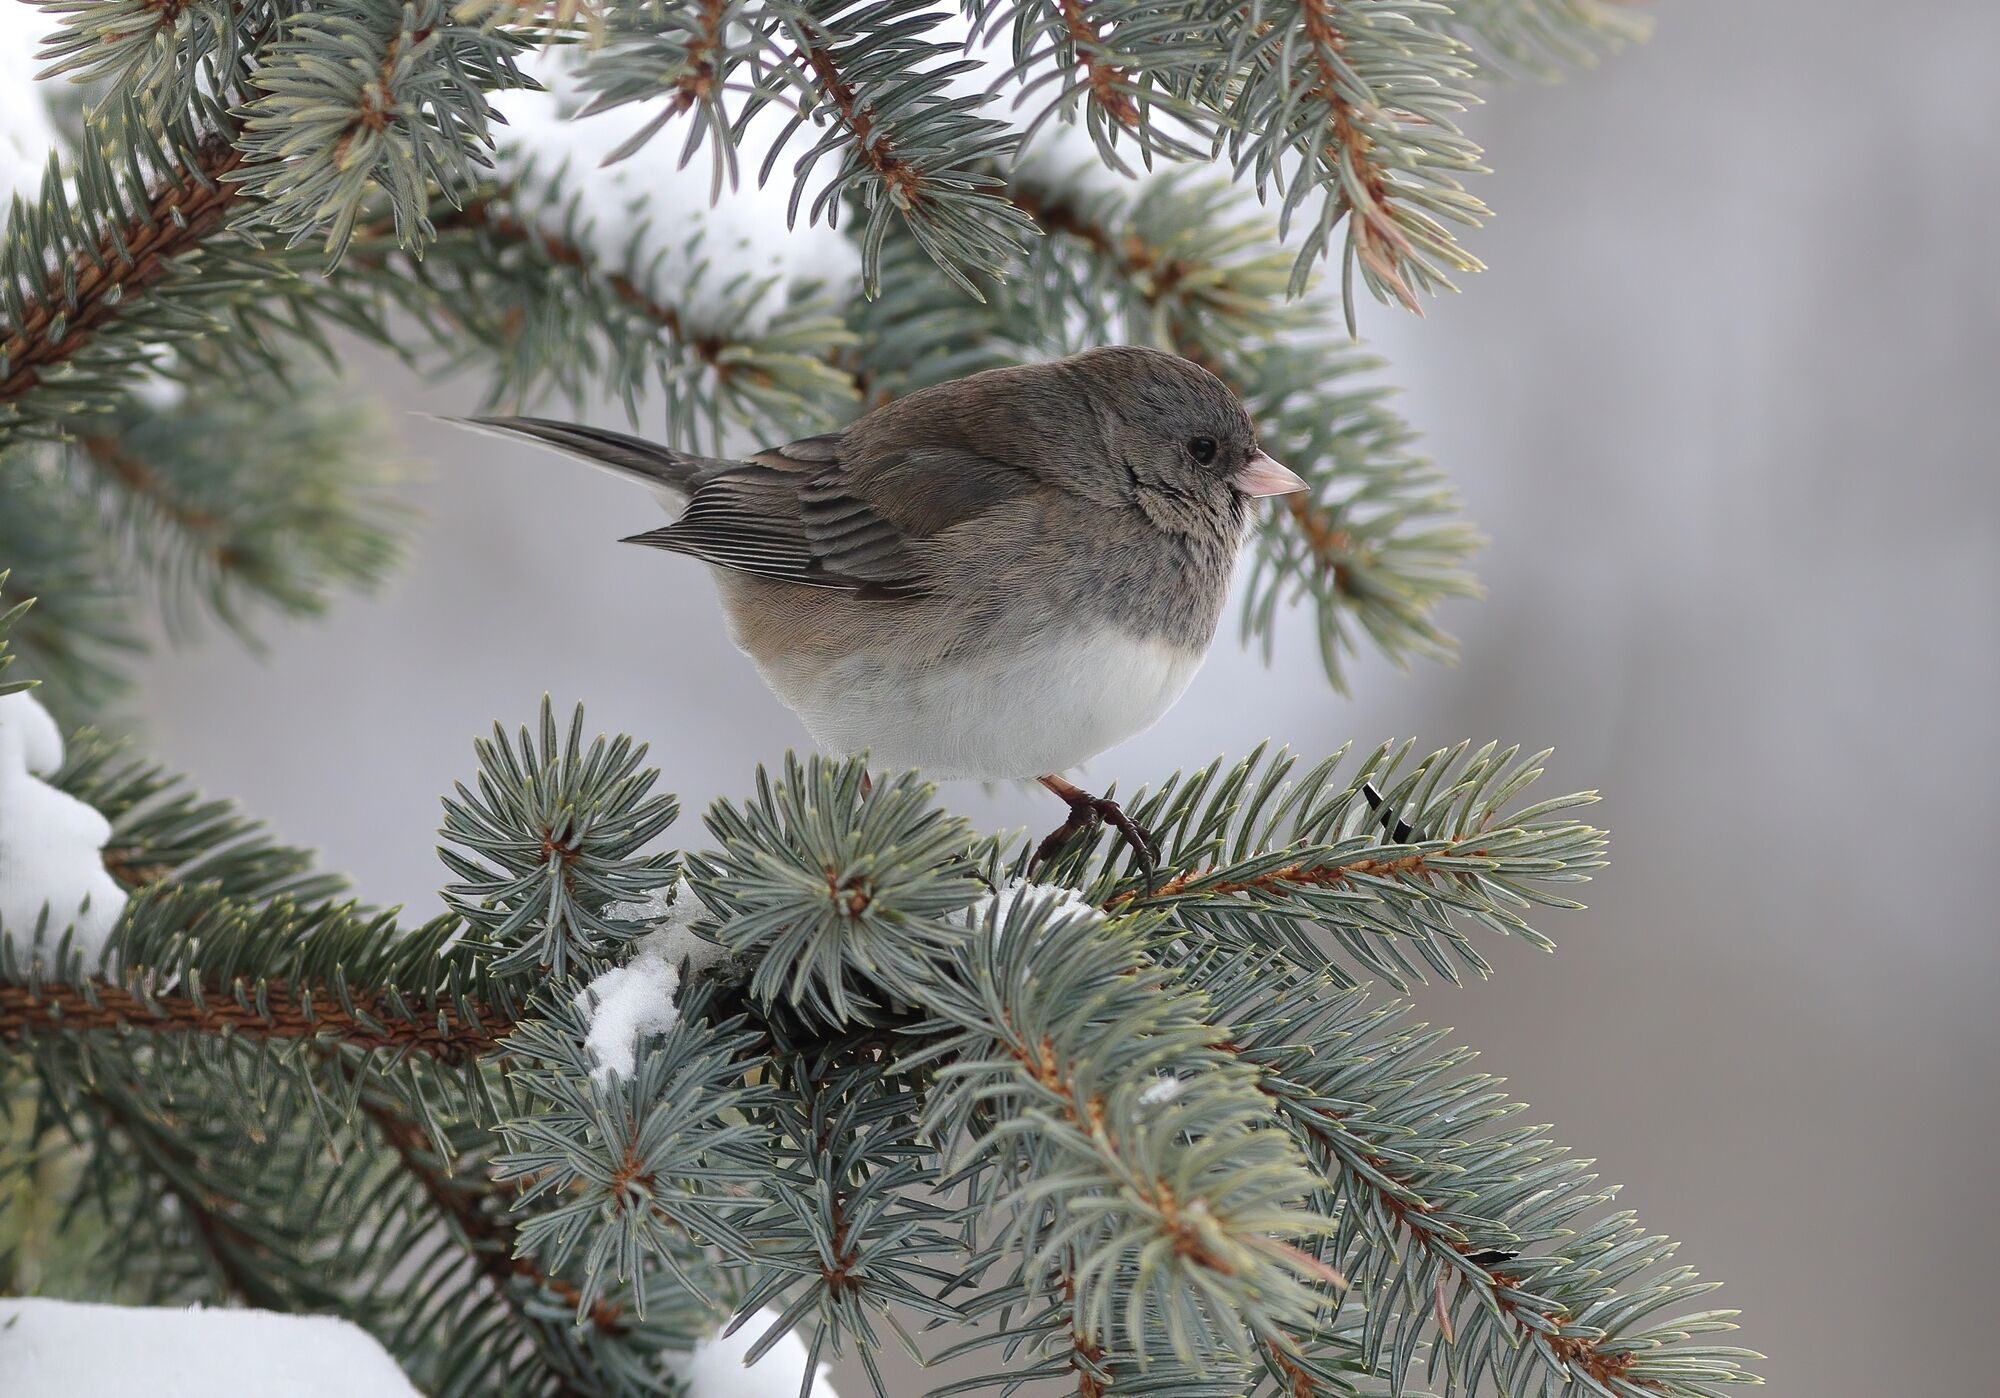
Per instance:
(1725,406)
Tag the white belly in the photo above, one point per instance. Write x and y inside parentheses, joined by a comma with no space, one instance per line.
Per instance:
(1021,714)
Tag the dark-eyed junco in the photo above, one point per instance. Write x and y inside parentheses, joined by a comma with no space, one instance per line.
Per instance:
(997,577)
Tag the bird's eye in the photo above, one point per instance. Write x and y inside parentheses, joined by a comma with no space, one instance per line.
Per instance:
(1202,449)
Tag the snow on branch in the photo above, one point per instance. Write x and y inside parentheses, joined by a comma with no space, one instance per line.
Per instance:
(54,888)
(69,1349)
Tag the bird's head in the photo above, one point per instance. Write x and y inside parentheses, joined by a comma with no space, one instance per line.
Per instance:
(1177,442)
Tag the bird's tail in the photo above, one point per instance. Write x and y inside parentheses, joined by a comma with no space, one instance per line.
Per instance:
(672,474)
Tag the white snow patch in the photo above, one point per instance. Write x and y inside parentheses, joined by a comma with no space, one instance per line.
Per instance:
(715,1368)
(1028,896)
(27,135)
(661,221)
(671,913)
(67,1349)
(51,844)
(648,210)
(1164,1089)
(636,999)
(626,1002)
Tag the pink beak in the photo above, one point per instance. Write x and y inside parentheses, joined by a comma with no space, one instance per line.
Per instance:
(1262,476)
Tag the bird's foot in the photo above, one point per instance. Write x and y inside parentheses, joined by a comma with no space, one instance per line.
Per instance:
(1086,814)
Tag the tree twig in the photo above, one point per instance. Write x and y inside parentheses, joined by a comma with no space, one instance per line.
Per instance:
(286,1013)
(92,290)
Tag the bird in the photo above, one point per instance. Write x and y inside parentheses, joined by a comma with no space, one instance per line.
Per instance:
(992,578)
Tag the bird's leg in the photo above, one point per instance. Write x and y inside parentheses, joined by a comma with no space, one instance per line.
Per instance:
(1085,811)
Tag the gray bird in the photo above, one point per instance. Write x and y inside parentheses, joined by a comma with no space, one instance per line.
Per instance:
(994,578)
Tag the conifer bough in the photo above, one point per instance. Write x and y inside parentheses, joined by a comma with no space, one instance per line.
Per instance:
(1101,1131)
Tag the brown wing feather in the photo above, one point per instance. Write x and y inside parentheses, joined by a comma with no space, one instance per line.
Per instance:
(800,513)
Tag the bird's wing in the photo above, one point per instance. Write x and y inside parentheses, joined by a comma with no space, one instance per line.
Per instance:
(632,458)
(804,513)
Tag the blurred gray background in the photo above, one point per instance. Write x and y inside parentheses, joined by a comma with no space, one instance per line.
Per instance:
(1724,404)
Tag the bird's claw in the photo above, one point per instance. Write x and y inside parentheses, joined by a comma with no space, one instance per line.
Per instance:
(1086,814)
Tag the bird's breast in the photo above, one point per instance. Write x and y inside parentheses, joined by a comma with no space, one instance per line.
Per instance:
(1008,712)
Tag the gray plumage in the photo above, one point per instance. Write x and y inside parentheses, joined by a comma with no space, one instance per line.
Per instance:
(993,577)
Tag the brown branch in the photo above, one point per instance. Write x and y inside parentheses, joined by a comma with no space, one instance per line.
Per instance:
(699,83)
(1159,274)
(1581,1352)
(1368,194)
(214,1231)
(127,864)
(489,1236)
(839,1272)
(1086,1356)
(1108,80)
(127,261)
(1328,542)
(115,461)
(481,214)
(372,1025)
(1399,1197)
(1282,880)
(902,177)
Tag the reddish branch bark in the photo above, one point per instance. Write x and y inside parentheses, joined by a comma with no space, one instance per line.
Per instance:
(489,1236)
(177,221)
(710,349)
(1107,79)
(1278,880)
(1377,239)
(901,176)
(1399,1198)
(444,1035)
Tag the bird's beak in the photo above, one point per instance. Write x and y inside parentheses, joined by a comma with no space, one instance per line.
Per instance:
(1262,476)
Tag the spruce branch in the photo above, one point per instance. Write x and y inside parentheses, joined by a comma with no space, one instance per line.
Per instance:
(1263,855)
(1543,37)
(1182,1213)
(362,96)
(275,496)
(64,285)
(872,73)
(1109,82)
(875,80)
(232,502)
(682,56)
(247,1260)
(633,1178)
(548,842)
(837,893)
(162,830)
(851,1231)
(279,1012)
(215,945)
(1174,1126)
(525,281)
(1481,1241)
(9,618)
(161,52)
(1123,69)
(1357,103)
(474,1313)
(79,628)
